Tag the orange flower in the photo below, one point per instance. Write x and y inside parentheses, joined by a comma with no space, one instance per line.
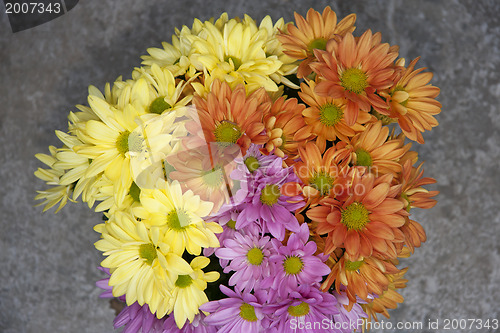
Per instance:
(286,128)
(361,278)
(389,299)
(365,220)
(325,116)
(205,171)
(319,174)
(356,70)
(412,102)
(311,33)
(374,149)
(414,195)
(230,117)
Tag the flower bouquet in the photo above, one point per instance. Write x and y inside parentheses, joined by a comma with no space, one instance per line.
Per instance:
(252,177)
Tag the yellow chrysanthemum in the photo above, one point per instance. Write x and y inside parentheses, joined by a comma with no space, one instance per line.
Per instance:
(235,54)
(175,56)
(188,294)
(180,216)
(141,263)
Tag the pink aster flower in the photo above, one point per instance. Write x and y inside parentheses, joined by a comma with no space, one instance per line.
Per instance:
(197,326)
(302,311)
(295,264)
(264,201)
(240,312)
(249,259)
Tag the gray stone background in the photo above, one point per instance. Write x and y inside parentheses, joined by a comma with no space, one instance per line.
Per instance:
(48,262)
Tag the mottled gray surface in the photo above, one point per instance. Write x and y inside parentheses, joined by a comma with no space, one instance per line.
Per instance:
(48,261)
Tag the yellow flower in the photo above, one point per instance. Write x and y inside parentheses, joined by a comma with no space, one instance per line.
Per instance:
(236,54)
(188,294)
(180,216)
(141,263)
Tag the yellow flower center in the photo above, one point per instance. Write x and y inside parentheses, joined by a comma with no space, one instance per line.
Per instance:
(354,80)
(247,312)
(183,281)
(363,158)
(270,194)
(178,219)
(255,256)
(227,132)
(231,224)
(353,265)
(318,43)
(293,265)
(135,192)
(299,310)
(127,141)
(252,163)
(148,253)
(236,62)
(213,178)
(159,105)
(322,182)
(330,114)
(355,216)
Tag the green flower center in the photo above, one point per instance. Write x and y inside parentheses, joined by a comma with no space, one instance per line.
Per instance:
(322,182)
(159,105)
(318,43)
(183,281)
(135,192)
(122,142)
(231,224)
(236,62)
(255,256)
(178,220)
(227,132)
(299,310)
(127,141)
(293,265)
(330,114)
(252,163)
(363,158)
(247,312)
(355,216)
(213,178)
(270,194)
(148,253)
(354,80)
(386,120)
(167,169)
(353,265)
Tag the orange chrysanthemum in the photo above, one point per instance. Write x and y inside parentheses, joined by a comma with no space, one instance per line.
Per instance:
(389,299)
(313,32)
(325,116)
(360,278)
(230,117)
(286,128)
(412,102)
(356,70)
(365,220)
(374,149)
(318,173)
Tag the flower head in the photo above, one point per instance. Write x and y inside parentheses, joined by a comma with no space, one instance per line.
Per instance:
(356,70)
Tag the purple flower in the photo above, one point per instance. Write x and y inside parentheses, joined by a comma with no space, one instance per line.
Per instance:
(227,219)
(238,313)
(264,202)
(345,320)
(252,163)
(249,258)
(197,326)
(295,264)
(304,310)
